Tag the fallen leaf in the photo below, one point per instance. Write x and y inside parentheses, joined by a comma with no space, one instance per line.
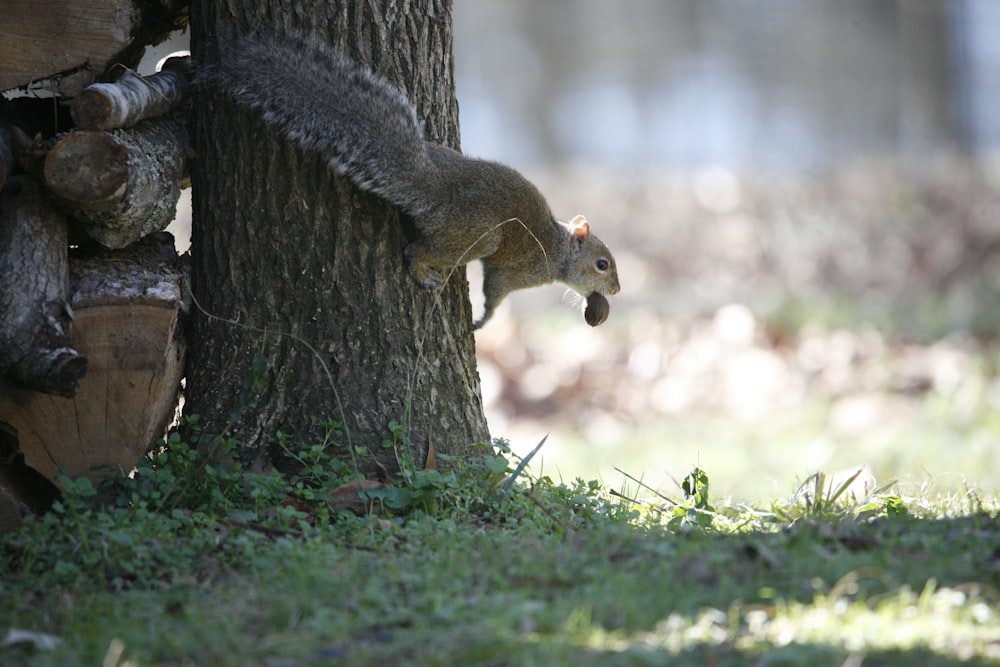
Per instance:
(346,496)
(431,463)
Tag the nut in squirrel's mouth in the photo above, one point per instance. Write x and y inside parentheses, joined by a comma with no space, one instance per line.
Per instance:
(597,309)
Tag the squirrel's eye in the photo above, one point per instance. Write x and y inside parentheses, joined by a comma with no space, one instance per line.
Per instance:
(601,264)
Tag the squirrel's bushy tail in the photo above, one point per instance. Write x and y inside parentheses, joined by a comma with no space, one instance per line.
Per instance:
(362,125)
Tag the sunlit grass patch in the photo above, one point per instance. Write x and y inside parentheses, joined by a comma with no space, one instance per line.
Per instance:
(953,622)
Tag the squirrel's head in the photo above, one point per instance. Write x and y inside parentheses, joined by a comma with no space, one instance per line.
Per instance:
(591,268)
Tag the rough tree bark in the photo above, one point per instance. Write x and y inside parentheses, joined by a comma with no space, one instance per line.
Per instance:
(295,264)
(35,313)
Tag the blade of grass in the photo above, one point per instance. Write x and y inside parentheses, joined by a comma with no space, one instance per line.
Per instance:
(521,466)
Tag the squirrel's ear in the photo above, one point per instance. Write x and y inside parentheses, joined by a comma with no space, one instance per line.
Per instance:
(580,227)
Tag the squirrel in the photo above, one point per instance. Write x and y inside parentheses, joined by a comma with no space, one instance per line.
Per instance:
(463,208)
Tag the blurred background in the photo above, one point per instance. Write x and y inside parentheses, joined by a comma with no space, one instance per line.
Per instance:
(802,197)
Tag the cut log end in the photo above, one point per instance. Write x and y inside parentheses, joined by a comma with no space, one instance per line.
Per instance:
(91,109)
(87,167)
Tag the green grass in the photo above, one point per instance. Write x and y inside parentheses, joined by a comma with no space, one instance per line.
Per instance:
(942,439)
(764,459)
(196,565)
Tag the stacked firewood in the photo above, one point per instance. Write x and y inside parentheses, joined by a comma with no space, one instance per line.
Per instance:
(91,290)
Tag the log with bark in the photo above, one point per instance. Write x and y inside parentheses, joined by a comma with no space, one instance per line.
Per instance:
(129,312)
(132,98)
(35,313)
(121,184)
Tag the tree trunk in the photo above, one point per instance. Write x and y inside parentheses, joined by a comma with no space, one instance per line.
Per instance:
(293,263)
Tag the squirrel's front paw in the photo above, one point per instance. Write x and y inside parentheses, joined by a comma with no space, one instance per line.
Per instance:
(429,277)
(422,272)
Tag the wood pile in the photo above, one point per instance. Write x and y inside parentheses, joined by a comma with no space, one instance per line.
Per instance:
(91,291)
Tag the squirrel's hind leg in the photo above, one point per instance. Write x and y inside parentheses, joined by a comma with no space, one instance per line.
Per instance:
(495,288)
(478,324)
